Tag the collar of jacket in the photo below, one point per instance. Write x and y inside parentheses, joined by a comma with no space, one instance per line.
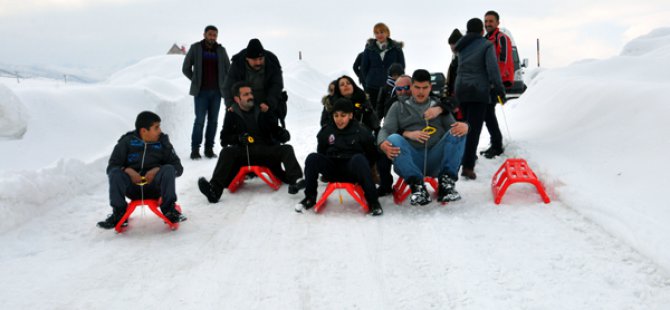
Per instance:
(466,40)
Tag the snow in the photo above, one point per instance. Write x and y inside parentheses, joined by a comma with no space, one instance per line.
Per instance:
(592,132)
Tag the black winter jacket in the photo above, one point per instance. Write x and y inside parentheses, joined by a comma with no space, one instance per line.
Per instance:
(234,125)
(364,112)
(131,151)
(274,82)
(345,143)
(375,70)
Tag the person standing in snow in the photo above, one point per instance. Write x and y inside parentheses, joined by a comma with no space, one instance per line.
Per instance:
(206,64)
(345,153)
(262,70)
(251,136)
(451,75)
(357,68)
(422,143)
(379,53)
(503,49)
(143,156)
(478,77)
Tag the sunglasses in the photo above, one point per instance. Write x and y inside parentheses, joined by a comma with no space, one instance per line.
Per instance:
(406,87)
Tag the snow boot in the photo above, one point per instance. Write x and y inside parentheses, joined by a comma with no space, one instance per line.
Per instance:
(492,152)
(296,187)
(207,190)
(305,204)
(376,208)
(112,220)
(419,195)
(209,153)
(175,217)
(468,173)
(195,154)
(446,190)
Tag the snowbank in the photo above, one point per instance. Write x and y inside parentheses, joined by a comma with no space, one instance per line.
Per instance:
(597,128)
(13,118)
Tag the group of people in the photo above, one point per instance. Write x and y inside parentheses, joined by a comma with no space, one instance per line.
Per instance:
(419,137)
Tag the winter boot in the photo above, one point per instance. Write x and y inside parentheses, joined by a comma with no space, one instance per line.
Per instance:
(419,195)
(376,208)
(175,217)
(468,173)
(112,219)
(209,153)
(492,152)
(296,187)
(207,190)
(446,190)
(305,204)
(195,154)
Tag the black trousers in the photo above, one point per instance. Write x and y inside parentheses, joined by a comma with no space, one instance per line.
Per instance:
(474,113)
(163,186)
(354,170)
(384,168)
(492,126)
(232,158)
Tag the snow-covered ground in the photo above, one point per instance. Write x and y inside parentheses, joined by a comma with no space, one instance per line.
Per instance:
(592,131)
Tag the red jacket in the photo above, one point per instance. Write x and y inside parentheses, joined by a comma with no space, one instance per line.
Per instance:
(503,46)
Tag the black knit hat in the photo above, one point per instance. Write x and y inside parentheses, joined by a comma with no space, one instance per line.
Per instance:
(475,25)
(254,49)
(455,36)
(396,69)
(343,105)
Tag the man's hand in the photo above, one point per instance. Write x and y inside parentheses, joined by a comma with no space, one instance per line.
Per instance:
(432,113)
(151,174)
(390,150)
(459,129)
(135,177)
(417,135)
(264,107)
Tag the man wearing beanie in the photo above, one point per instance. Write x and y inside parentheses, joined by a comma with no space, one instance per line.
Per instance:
(261,69)
(422,146)
(206,64)
(345,153)
(478,77)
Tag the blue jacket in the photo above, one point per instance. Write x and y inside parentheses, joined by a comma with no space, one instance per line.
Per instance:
(375,70)
(131,151)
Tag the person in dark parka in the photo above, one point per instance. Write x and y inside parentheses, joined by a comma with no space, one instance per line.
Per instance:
(378,55)
(345,153)
(478,77)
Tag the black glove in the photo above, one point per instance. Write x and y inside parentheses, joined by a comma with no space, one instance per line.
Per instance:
(283,136)
(245,139)
(501,98)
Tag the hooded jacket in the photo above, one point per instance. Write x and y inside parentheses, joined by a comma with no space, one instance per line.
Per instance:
(347,142)
(478,75)
(374,70)
(132,152)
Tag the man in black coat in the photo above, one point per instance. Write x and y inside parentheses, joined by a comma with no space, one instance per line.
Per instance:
(251,137)
(261,69)
(345,152)
(143,165)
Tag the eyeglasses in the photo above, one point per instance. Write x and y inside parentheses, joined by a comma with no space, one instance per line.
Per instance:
(399,88)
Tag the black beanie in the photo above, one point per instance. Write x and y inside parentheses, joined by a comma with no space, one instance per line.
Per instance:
(396,69)
(343,105)
(475,25)
(455,36)
(254,49)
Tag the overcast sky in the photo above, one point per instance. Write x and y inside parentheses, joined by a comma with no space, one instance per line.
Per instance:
(91,33)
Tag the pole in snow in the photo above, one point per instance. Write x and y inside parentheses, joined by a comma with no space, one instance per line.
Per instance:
(299,55)
(538,52)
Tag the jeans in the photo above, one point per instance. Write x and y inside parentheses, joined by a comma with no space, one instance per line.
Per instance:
(443,158)
(207,103)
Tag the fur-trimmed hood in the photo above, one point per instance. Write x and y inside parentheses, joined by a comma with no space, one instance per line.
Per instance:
(372,44)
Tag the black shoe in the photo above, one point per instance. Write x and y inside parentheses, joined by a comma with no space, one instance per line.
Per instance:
(468,173)
(446,190)
(175,217)
(376,209)
(305,204)
(111,221)
(296,187)
(492,152)
(383,191)
(195,154)
(207,190)
(209,153)
(419,195)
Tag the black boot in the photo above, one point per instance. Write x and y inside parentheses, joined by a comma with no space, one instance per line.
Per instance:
(296,187)
(207,190)
(492,152)
(209,153)
(376,208)
(446,190)
(420,195)
(112,219)
(305,204)
(195,154)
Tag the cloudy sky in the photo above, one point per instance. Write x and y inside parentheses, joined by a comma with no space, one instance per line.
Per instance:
(103,33)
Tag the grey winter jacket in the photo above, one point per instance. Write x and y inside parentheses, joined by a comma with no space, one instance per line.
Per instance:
(192,67)
(478,75)
(407,115)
